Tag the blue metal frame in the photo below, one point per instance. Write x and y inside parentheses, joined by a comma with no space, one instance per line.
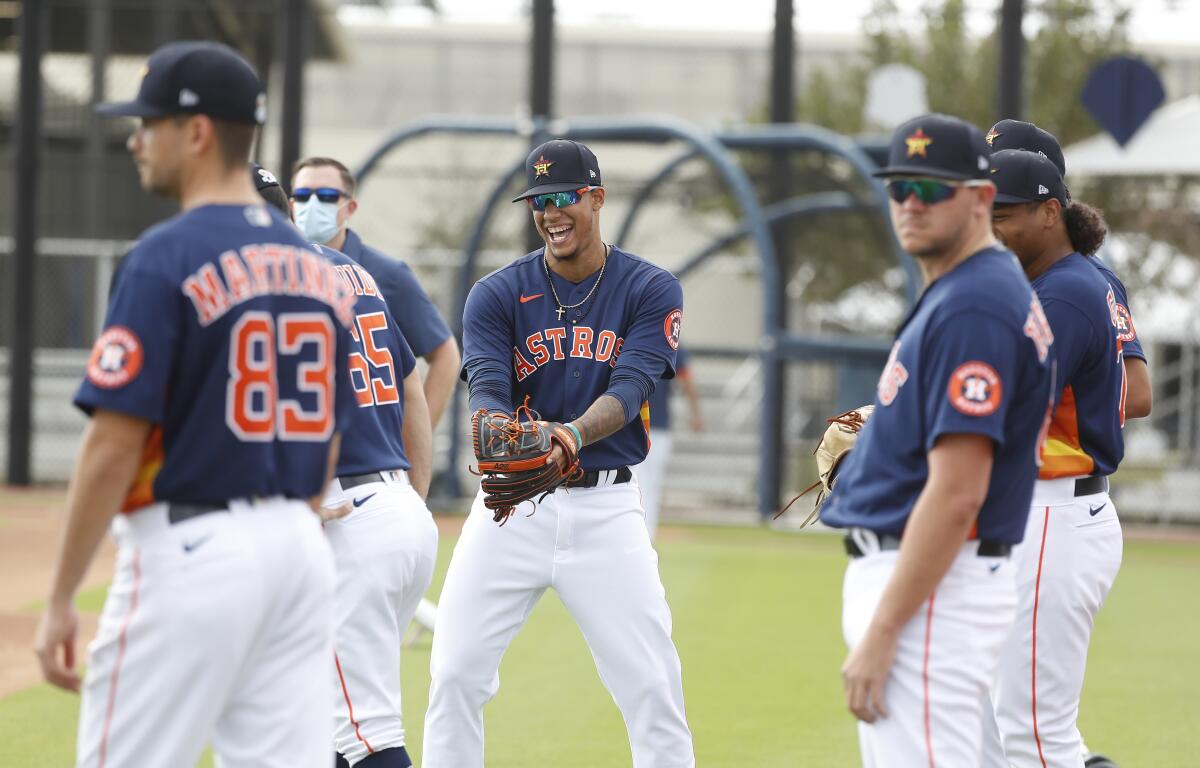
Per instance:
(776,345)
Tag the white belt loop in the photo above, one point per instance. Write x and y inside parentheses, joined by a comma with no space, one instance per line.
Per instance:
(867,541)
(1048,493)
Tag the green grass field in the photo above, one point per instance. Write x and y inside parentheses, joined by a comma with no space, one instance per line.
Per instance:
(757,621)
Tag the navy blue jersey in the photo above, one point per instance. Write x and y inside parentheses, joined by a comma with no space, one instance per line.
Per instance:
(419,320)
(379,362)
(1131,346)
(972,357)
(1085,433)
(227,331)
(627,333)
(660,400)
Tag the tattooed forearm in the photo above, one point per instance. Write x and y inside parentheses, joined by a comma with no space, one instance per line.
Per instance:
(602,419)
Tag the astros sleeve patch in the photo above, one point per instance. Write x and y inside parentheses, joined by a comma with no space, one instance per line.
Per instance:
(1124,323)
(116,358)
(975,389)
(672,327)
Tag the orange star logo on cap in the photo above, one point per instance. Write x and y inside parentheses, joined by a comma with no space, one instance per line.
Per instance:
(991,136)
(541,167)
(917,143)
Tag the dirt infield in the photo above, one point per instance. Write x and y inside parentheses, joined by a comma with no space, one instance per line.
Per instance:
(30,525)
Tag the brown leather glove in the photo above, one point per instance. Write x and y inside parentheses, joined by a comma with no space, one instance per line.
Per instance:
(513,453)
(837,441)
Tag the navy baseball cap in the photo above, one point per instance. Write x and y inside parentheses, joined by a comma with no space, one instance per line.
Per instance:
(560,166)
(1017,134)
(937,146)
(263,179)
(269,188)
(196,78)
(1022,176)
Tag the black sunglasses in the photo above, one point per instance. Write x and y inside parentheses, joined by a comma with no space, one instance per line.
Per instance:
(324,194)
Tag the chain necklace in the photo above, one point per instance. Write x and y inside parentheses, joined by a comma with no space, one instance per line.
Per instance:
(564,307)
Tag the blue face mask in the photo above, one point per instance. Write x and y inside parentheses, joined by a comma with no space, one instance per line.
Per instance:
(317,220)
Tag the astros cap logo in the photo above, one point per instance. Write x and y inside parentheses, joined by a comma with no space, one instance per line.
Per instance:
(991,136)
(917,143)
(542,167)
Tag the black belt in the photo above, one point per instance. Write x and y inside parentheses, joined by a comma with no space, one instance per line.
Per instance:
(1087,486)
(353,481)
(591,478)
(888,542)
(177,513)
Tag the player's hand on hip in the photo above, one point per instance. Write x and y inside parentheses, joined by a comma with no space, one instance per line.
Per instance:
(57,630)
(333,513)
(865,673)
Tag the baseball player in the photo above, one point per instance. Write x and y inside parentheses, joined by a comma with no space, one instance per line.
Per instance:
(650,473)
(1139,397)
(384,539)
(1072,549)
(583,330)
(323,202)
(217,390)
(936,491)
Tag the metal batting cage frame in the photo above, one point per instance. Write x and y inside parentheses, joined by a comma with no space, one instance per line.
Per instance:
(778,345)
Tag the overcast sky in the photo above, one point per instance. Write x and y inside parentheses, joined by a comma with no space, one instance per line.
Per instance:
(1176,21)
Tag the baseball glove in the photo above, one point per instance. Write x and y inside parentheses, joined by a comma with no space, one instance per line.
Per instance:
(512,451)
(837,441)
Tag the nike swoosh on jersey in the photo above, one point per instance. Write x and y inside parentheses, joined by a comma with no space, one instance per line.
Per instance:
(1093,511)
(994,567)
(525,299)
(363,500)
(188,546)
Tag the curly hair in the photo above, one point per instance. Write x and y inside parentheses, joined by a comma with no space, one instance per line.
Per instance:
(1085,227)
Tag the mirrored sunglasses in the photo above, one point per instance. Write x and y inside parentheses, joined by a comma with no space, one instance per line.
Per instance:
(928,191)
(324,194)
(560,199)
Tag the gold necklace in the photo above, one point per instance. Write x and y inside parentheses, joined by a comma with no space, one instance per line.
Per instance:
(564,307)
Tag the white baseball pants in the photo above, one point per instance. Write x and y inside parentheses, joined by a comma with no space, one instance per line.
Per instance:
(590,545)
(945,659)
(216,629)
(1065,568)
(384,550)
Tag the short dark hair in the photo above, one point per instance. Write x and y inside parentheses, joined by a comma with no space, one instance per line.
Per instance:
(234,140)
(317,162)
(1085,227)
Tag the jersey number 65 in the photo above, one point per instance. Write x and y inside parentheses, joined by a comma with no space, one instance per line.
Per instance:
(374,390)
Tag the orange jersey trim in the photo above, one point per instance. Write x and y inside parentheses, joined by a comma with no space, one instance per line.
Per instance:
(645,414)
(141,493)
(1062,454)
